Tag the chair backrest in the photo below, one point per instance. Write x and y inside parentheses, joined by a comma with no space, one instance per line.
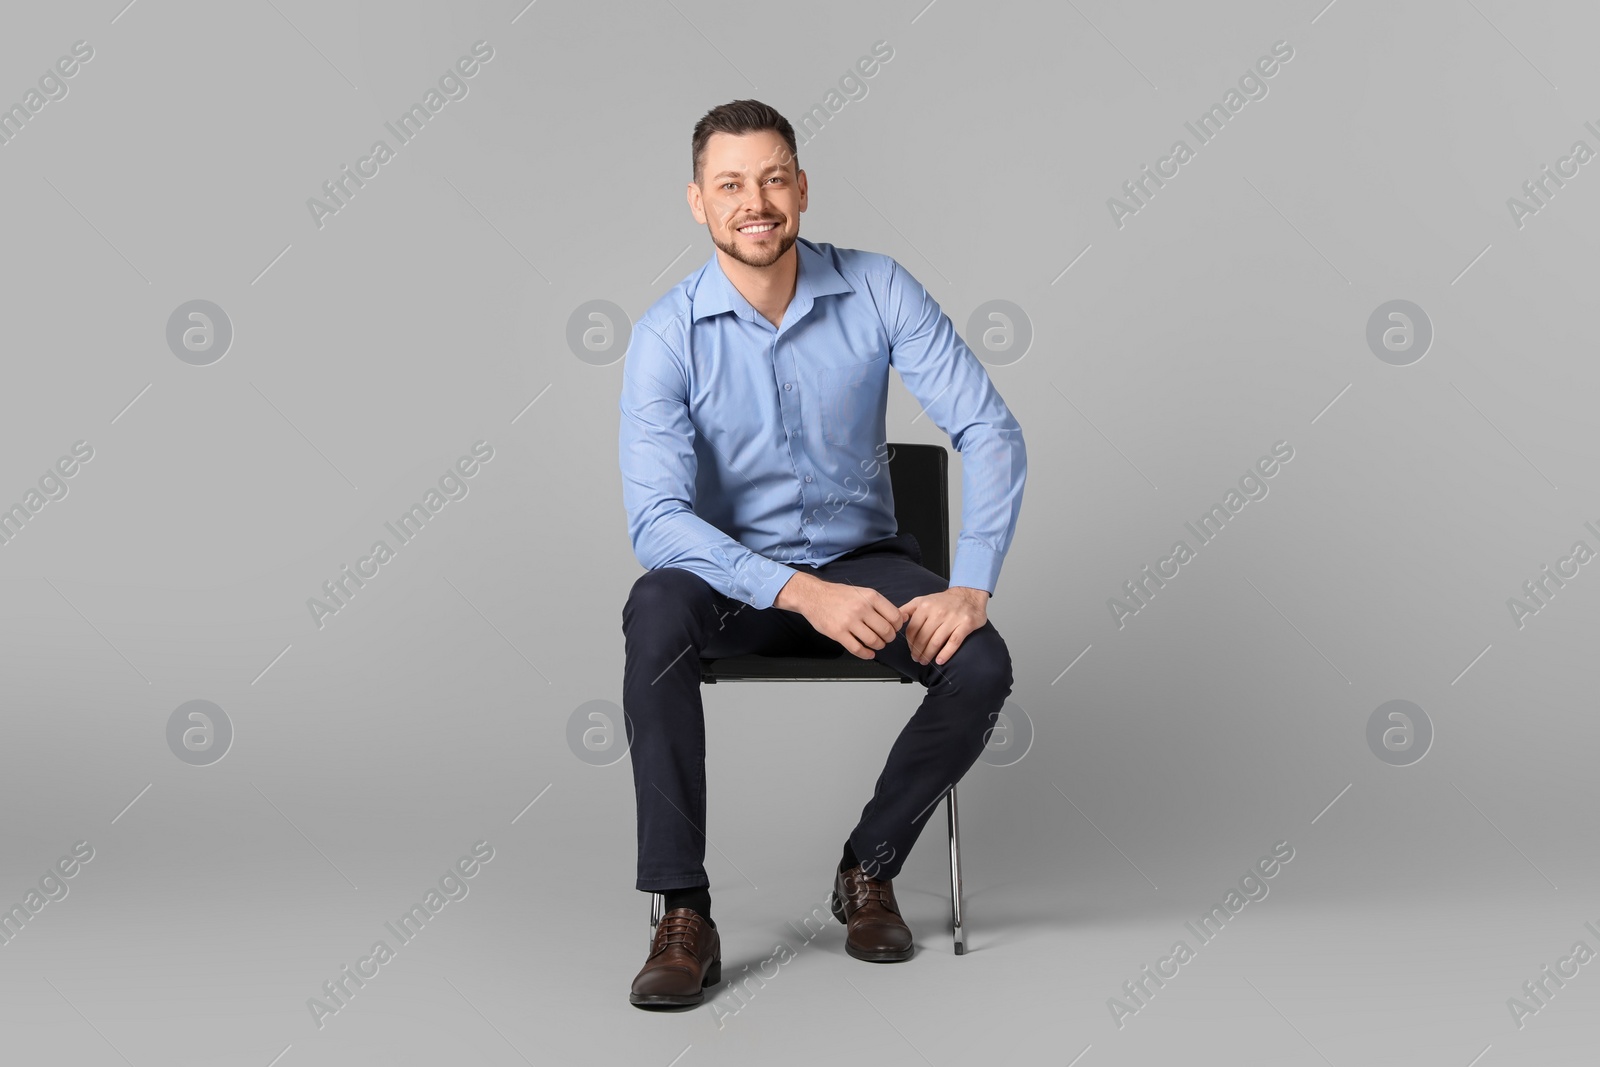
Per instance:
(919,479)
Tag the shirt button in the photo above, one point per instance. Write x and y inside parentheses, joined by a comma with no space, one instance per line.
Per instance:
(808,477)
(788,385)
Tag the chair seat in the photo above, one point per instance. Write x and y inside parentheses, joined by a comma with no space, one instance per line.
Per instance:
(841,668)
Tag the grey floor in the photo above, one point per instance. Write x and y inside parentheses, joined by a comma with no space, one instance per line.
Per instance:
(210,913)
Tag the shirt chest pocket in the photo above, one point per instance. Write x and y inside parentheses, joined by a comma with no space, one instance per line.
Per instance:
(851,402)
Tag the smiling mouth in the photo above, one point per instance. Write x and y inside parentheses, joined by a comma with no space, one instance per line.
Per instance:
(758,229)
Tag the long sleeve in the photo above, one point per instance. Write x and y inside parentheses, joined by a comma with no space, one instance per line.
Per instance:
(954,389)
(657,458)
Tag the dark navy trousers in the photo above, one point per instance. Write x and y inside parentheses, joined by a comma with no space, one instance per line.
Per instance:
(674,617)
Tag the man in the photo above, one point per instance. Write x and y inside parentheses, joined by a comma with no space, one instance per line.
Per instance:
(755,478)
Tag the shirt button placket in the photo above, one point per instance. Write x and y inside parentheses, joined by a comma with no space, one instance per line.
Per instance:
(787,405)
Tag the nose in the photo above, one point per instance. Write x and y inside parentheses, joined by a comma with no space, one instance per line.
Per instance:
(757,203)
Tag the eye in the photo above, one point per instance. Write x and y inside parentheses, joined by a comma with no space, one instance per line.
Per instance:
(726,184)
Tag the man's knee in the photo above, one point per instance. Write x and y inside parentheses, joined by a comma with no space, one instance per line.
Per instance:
(982,665)
(664,593)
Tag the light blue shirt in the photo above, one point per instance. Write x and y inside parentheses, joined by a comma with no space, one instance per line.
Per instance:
(749,451)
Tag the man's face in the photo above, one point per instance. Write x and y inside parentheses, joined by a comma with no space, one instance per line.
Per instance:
(750,179)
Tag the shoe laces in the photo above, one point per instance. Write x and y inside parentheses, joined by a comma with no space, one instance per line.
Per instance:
(676,930)
(863,890)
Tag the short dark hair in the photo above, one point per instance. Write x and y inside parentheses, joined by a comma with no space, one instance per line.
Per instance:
(739,117)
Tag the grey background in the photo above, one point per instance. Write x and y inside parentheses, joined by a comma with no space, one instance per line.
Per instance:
(429,313)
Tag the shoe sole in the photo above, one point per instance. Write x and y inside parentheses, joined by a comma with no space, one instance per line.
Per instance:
(887,956)
(670,1000)
(879,957)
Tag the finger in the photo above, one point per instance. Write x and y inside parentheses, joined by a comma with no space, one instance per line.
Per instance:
(955,640)
(884,617)
(916,632)
(894,616)
(885,628)
(873,631)
(855,648)
(868,637)
(945,642)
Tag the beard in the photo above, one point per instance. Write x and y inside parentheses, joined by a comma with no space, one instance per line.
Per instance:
(755,255)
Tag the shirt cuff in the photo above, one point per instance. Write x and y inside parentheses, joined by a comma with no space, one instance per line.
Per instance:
(976,567)
(764,579)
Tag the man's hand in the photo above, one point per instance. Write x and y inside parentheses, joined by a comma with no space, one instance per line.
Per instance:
(861,619)
(937,623)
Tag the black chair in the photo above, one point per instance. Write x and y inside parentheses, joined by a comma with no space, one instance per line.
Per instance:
(919,479)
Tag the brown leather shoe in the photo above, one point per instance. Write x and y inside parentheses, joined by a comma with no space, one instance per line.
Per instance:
(874,930)
(685,957)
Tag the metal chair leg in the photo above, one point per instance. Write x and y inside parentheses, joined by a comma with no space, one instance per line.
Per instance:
(955,873)
(657,902)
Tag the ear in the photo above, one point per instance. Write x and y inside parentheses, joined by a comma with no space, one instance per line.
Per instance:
(696,206)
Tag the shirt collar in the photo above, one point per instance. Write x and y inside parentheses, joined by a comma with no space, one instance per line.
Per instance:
(817,277)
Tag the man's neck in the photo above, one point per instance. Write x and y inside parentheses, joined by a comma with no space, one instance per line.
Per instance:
(769,289)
